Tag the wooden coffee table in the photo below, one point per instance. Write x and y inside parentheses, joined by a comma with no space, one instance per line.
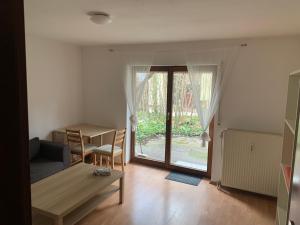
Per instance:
(68,196)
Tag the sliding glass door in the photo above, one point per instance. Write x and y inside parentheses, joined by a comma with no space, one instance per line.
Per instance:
(168,129)
(186,146)
(150,138)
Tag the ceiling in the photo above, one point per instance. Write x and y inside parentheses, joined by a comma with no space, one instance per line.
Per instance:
(151,21)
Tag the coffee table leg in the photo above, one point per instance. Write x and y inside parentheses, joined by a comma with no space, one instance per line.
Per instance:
(59,221)
(121,191)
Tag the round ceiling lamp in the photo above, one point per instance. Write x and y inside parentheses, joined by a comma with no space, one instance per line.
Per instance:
(99,17)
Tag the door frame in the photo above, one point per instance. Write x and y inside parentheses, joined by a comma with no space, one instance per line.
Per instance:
(15,204)
(166,164)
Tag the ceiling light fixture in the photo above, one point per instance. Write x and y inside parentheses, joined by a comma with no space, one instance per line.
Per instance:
(99,17)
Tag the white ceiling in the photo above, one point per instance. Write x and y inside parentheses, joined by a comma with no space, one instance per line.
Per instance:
(149,21)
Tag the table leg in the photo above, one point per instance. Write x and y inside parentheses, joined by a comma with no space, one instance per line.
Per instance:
(107,161)
(59,221)
(121,191)
(101,140)
(95,158)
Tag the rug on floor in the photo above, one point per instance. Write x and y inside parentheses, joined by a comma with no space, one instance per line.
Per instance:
(184,178)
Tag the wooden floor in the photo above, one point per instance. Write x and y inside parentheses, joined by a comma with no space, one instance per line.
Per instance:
(152,200)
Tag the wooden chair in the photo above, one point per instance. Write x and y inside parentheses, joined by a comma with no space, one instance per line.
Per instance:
(77,145)
(112,151)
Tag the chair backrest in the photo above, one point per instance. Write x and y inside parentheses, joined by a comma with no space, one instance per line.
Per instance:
(74,138)
(119,139)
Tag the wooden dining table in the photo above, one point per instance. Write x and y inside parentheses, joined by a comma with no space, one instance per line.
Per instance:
(88,131)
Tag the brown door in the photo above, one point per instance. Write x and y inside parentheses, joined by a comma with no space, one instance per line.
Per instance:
(15,203)
(168,128)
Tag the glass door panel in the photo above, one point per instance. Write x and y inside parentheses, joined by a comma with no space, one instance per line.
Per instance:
(186,146)
(151,127)
(168,129)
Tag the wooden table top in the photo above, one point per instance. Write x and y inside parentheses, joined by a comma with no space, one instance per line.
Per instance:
(87,130)
(59,194)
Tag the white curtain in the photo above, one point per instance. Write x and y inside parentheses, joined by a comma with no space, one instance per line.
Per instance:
(206,108)
(223,62)
(136,79)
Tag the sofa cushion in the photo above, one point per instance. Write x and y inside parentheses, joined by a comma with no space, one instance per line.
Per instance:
(34,147)
(41,168)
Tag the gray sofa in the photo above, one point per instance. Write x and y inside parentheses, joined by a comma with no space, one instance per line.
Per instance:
(47,158)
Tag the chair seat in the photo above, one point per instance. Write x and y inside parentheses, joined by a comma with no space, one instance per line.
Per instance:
(87,148)
(107,149)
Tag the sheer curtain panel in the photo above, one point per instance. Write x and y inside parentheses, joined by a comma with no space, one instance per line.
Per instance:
(198,65)
(136,79)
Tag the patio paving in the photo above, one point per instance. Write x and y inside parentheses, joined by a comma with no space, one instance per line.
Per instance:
(186,151)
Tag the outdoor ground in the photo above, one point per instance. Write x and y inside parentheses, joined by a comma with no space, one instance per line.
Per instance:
(186,151)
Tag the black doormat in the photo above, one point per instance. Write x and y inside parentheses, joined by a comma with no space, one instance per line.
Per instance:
(184,178)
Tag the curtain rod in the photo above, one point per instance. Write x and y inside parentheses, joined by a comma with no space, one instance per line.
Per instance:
(173,50)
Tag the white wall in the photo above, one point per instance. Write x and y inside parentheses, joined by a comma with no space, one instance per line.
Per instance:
(54,79)
(254,98)
(62,90)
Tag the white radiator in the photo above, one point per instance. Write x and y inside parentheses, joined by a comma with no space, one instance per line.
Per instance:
(251,161)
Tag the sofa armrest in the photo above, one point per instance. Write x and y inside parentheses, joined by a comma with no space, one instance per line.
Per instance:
(55,152)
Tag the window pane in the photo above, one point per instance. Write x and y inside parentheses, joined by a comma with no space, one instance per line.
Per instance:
(151,128)
(186,145)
